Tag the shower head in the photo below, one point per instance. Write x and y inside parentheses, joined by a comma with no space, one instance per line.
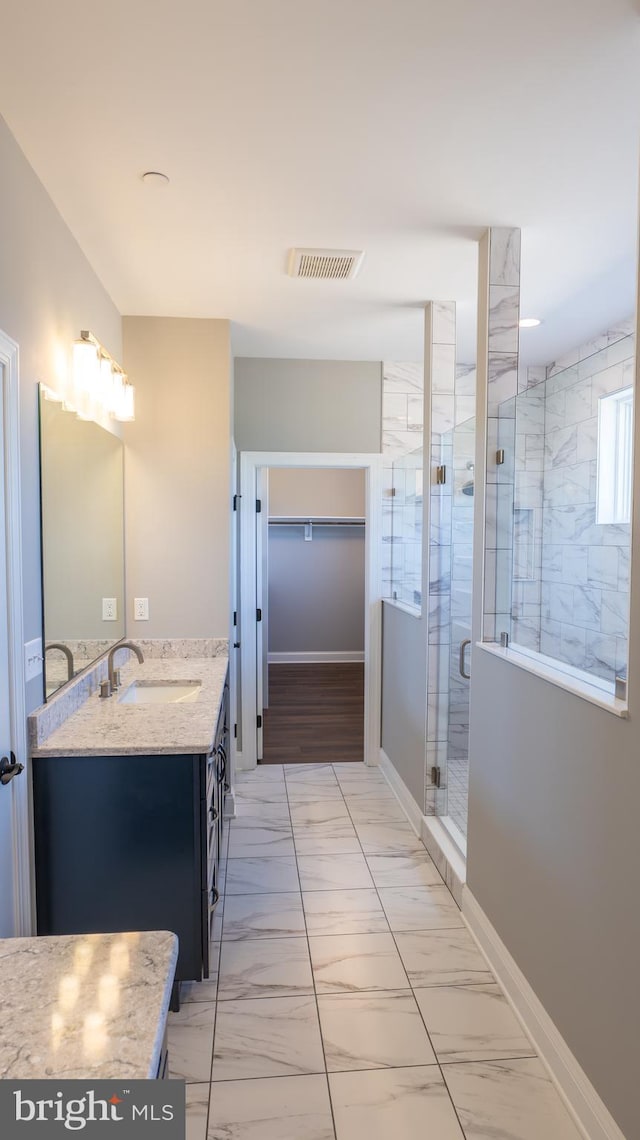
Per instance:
(467,488)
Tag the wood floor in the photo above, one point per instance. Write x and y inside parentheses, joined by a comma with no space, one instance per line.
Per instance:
(316,713)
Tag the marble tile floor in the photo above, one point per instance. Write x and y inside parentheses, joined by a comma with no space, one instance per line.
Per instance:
(347,1000)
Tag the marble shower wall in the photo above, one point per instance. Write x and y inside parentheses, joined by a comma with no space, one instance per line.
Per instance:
(528,478)
(402,434)
(585,565)
(502,389)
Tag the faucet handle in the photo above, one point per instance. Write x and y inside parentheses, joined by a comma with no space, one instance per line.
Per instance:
(105,688)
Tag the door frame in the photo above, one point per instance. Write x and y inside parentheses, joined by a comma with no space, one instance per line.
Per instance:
(251,462)
(18,788)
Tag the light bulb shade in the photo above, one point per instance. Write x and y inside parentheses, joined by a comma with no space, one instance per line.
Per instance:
(99,386)
(106,385)
(125,411)
(86,377)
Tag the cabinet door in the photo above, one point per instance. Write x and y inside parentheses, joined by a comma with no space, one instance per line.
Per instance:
(118,844)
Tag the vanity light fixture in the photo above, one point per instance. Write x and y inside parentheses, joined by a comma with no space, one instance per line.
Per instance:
(100,385)
(529,322)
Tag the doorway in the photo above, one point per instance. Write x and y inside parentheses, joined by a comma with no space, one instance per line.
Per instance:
(311,645)
(15,889)
(312,631)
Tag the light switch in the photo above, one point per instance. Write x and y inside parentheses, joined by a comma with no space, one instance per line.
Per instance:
(141,609)
(109,609)
(33,659)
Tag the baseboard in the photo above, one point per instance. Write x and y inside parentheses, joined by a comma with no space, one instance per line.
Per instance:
(445,854)
(586,1107)
(313,657)
(401,792)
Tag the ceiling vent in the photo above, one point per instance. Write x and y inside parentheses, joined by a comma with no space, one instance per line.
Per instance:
(325,264)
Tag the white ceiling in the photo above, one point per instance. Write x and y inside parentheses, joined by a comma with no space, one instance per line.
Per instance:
(403,127)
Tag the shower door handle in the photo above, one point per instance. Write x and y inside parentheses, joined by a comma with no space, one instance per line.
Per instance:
(463,646)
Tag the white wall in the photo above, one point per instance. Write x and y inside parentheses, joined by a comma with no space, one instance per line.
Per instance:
(48,293)
(178,476)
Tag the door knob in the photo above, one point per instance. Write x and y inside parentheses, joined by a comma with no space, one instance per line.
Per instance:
(9,768)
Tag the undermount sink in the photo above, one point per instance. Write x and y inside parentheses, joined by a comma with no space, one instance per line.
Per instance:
(160,692)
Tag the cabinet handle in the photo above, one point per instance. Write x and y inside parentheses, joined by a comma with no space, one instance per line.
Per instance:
(222,763)
(462,670)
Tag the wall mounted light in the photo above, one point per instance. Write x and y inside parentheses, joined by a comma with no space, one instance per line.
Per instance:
(100,385)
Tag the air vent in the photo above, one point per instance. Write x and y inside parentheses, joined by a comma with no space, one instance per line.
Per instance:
(325,264)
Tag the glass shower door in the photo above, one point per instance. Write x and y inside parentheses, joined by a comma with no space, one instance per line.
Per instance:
(452,796)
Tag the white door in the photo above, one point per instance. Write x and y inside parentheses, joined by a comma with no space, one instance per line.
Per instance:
(262,641)
(7,846)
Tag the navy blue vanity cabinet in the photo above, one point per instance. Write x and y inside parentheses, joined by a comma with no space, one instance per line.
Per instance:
(129,843)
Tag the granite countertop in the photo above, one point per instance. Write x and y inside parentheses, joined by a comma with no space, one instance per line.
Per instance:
(85,1005)
(105,727)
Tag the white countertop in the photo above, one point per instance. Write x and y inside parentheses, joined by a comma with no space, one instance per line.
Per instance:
(85,1005)
(105,727)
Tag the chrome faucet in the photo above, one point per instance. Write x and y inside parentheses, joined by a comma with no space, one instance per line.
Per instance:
(67,652)
(113,679)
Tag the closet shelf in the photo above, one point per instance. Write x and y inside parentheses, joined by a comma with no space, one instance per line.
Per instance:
(315,520)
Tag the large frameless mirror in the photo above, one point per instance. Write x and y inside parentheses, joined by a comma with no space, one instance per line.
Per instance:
(81,474)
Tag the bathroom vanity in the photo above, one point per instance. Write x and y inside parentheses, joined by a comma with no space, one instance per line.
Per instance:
(128,809)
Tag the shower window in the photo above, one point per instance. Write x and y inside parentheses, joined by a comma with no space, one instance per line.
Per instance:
(615,443)
(558,511)
(406,549)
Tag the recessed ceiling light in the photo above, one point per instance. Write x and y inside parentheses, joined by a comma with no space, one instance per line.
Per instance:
(155,178)
(530,322)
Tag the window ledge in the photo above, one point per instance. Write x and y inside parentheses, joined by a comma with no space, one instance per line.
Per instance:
(575,685)
(413,611)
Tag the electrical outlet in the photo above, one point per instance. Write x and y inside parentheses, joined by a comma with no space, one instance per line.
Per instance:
(109,609)
(33,659)
(141,609)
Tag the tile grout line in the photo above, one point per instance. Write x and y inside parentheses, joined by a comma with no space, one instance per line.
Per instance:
(393,935)
(313,980)
(411,987)
(223,899)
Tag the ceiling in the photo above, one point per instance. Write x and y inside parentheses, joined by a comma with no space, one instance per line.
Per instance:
(402,127)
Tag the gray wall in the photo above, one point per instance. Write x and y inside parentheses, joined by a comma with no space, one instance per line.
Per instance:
(553,841)
(553,857)
(178,476)
(317,491)
(404,695)
(48,293)
(307,405)
(316,590)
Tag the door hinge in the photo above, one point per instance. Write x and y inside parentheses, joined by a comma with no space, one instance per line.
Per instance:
(258,615)
(441,475)
(235,501)
(259,720)
(258,506)
(235,732)
(436,776)
(235,617)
